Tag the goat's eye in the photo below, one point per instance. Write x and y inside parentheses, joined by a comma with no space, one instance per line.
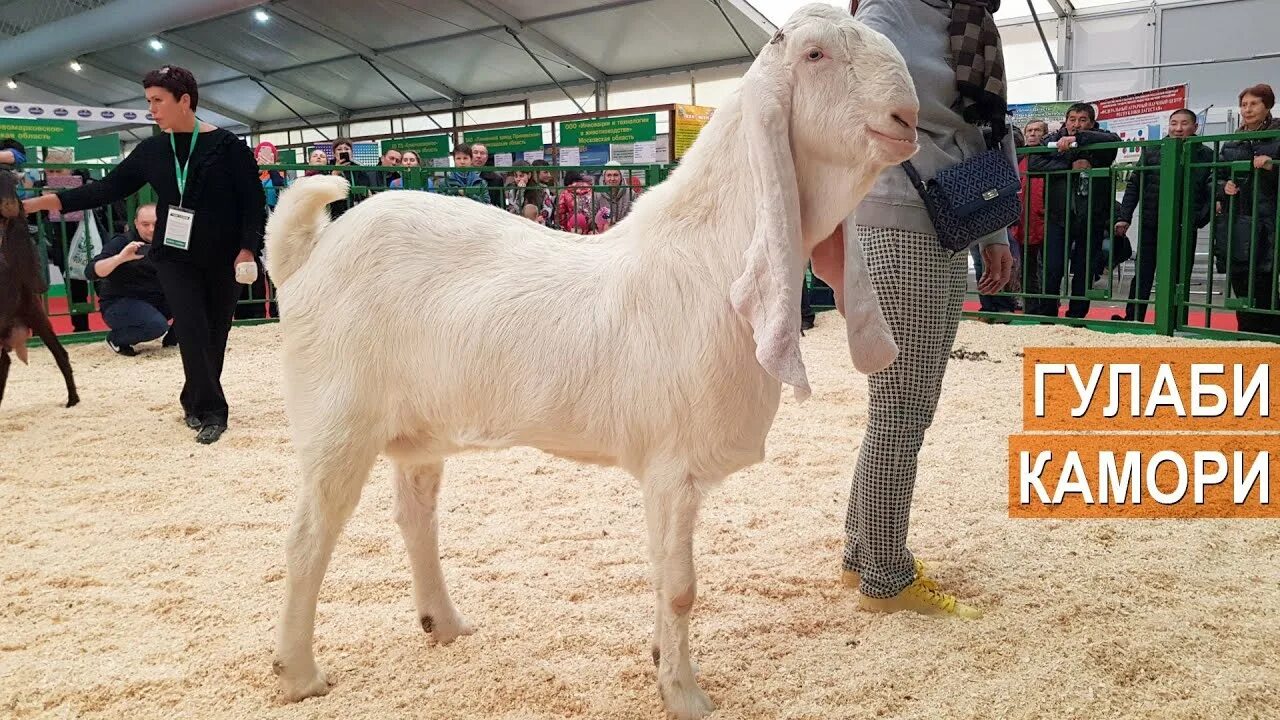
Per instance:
(814,54)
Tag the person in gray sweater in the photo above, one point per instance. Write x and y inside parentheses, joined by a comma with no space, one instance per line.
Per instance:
(920,285)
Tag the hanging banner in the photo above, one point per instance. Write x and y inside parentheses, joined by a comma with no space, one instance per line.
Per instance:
(81,113)
(622,139)
(605,131)
(690,119)
(427,146)
(1140,116)
(40,133)
(1051,112)
(507,140)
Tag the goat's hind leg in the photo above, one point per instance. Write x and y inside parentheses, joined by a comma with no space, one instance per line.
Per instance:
(671,500)
(44,330)
(417,490)
(334,472)
(4,371)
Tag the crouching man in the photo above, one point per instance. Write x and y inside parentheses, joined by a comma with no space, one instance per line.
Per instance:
(132,301)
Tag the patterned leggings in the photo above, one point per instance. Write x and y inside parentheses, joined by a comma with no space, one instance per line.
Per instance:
(920,286)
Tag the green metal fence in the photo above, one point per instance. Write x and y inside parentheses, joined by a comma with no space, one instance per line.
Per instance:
(1205,277)
(1071,253)
(64,242)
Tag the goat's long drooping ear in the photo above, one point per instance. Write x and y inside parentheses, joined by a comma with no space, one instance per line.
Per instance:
(767,293)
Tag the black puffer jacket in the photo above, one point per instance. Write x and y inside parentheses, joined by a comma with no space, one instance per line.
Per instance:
(1061,189)
(1268,180)
(1146,184)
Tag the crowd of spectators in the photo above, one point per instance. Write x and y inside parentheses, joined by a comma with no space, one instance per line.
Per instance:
(1074,229)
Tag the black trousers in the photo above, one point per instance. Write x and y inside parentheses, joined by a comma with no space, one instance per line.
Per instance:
(1082,264)
(203,301)
(1144,274)
(1264,298)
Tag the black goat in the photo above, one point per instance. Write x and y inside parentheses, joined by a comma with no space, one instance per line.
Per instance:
(21,287)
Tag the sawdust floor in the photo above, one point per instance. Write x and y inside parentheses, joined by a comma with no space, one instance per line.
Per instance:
(142,572)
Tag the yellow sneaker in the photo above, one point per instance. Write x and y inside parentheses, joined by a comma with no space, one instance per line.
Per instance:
(853,578)
(922,596)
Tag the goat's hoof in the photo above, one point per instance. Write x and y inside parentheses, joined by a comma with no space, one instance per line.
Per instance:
(684,700)
(73,401)
(298,686)
(444,633)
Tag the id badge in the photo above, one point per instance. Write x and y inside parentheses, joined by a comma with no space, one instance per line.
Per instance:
(177,228)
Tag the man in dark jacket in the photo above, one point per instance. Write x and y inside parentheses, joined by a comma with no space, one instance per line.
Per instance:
(1075,225)
(1144,185)
(130,296)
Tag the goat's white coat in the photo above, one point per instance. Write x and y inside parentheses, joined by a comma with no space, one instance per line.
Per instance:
(420,326)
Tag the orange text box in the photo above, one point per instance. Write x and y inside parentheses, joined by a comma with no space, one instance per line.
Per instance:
(1170,476)
(1151,389)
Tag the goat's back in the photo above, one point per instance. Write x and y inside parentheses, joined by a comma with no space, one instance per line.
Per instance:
(478,328)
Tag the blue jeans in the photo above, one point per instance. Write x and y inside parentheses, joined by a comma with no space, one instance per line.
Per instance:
(134,321)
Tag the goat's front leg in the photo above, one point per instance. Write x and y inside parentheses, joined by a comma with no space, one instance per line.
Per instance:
(417,487)
(671,508)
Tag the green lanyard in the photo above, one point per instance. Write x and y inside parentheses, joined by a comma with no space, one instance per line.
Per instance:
(181,172)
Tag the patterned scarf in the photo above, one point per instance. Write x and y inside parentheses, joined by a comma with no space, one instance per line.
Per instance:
(979,58)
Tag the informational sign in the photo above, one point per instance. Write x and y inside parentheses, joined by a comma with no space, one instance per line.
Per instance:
(81,113)
(606,131)
(1051,112)
(288,156)
(427,146)
(690,119)
(507,140)
(40,133)
(628,139)
(95,148)
(1140,116)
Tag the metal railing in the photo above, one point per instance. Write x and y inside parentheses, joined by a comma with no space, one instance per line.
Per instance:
(67,243)
(1170,272)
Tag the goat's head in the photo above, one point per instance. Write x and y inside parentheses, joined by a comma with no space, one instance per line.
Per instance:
(10,203)
(833,91)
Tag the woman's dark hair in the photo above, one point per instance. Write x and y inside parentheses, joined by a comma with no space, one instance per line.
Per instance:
(1263,92)
(178,81)
(12,144)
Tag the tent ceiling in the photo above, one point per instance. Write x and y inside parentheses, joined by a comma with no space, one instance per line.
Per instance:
(310,53)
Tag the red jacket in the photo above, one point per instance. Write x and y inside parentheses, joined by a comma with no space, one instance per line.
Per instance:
(1035,217)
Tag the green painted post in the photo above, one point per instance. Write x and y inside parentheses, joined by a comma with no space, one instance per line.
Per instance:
(1166,294)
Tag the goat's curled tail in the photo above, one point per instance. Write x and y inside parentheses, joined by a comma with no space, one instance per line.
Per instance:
(299,218)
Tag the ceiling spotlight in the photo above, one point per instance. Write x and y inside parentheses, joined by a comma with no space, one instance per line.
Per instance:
(75,66)
(12,85)
(156,44)
(261,15)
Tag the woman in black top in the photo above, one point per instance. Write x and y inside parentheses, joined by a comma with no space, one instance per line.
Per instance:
(213,175)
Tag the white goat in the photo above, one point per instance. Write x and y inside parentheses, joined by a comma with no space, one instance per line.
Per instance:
(419,326)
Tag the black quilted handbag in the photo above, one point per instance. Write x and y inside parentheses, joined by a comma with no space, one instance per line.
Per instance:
(972,199)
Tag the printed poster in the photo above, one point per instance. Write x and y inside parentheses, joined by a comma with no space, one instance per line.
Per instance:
(690,119)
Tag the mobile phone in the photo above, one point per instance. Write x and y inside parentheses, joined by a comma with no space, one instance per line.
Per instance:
(344,156)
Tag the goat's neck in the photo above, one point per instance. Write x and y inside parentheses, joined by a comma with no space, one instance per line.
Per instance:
(726,207)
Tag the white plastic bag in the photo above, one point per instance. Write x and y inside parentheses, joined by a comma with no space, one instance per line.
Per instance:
(84,246)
